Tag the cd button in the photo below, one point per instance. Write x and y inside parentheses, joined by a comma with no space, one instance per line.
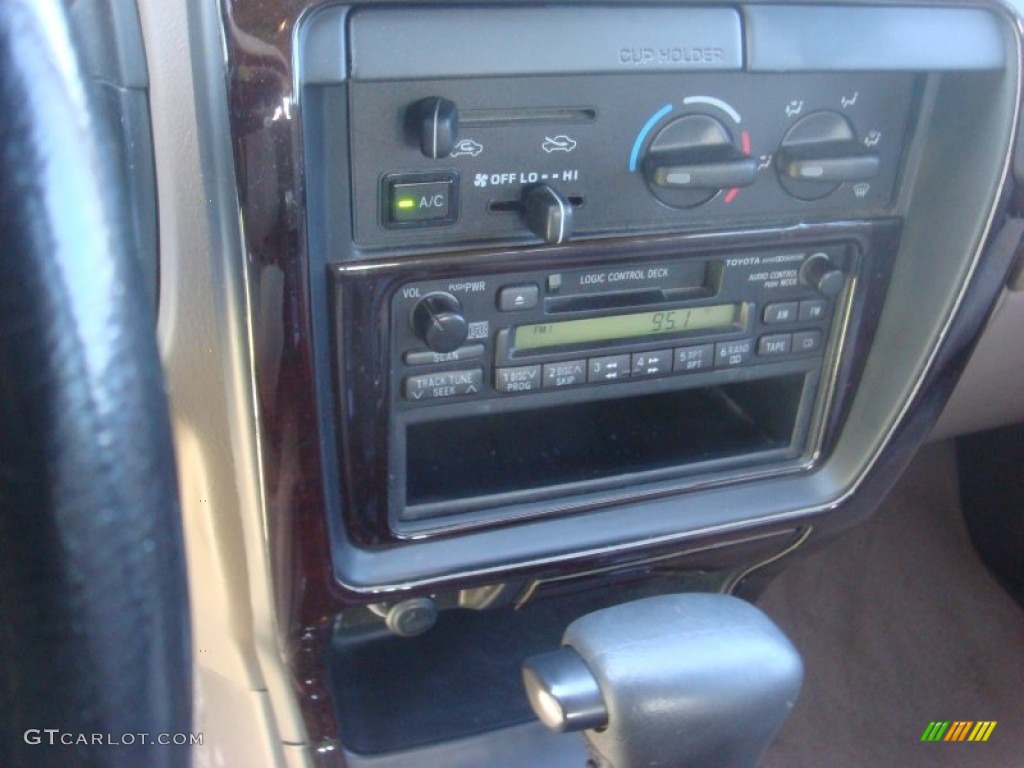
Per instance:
(567,374)
(730,353)
(807,341)
(695,358)
(608,368)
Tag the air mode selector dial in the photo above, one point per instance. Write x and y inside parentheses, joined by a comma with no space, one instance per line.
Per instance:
(438,320)
(692,159)
(820,152)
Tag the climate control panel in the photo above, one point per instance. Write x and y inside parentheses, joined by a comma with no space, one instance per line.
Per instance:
(559,157)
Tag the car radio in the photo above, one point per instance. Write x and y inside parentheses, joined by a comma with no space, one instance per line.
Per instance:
(485,337)
(503,385)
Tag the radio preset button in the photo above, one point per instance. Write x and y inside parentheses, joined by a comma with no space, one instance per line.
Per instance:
(784,312)
(654,363)
(776,344)
(608,368)
(426,357)
(518,297)
(696,358)
(523,378)
(730,353)
(567,374)
(812,310)
(807,341)
(437,386)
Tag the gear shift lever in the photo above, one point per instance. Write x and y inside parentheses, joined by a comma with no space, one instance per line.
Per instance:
(679,681)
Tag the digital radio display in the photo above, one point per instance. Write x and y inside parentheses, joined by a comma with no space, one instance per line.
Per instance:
(633,325)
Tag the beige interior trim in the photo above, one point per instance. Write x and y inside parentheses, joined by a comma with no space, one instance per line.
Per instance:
(244,702)
(990,392)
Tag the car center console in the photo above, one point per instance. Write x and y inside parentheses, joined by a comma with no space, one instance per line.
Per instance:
(588,301)
(503,379)
(630,276)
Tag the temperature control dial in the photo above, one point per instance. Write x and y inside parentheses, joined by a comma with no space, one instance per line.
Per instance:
(438,320)
(692,159)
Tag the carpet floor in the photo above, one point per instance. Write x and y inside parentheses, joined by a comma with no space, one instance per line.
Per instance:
(900,624)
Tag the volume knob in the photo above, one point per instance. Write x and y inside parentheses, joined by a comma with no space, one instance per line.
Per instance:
(438,320)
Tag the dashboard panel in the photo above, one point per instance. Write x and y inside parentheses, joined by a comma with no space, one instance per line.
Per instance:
(486,193)
(736,166)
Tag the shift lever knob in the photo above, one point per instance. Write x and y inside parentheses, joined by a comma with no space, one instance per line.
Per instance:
(682,681)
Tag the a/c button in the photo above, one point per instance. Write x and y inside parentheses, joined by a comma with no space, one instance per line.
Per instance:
(423,203)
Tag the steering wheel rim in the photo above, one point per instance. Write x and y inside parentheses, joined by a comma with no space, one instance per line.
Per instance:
(94,622)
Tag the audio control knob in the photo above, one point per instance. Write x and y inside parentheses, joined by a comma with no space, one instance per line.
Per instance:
(692,159)
(819,272)
(438,320)
(819,153)
(435,124)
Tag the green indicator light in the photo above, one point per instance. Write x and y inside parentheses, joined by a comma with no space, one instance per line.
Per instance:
(407,203)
